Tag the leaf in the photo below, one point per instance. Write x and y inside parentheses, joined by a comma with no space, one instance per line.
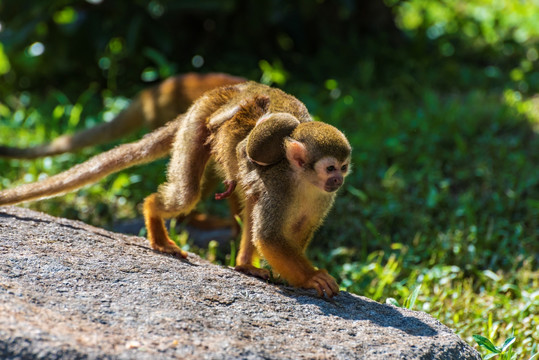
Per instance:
(5,66)
(74,116)
(491,275)
(121,182)
(357,193)
(392,301)
(486,343)
(413,297)
(508,343)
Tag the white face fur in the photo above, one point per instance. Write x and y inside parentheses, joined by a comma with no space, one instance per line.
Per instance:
(330,173)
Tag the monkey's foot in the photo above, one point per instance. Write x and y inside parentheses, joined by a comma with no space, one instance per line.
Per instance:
(248,269)
(230,186)
(323,283)
(170,248)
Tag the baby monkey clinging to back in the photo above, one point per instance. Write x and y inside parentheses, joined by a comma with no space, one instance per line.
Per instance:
(285,167)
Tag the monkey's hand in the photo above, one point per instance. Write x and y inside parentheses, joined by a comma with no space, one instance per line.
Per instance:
(230,186)
(251,270)
(322,282)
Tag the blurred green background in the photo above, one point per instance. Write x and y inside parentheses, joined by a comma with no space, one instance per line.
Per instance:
(438,98)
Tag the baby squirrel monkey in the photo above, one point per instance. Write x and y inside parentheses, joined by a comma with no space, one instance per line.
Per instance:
(285,168)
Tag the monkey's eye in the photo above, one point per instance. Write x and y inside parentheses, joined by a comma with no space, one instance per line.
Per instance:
(330,168)
(344,168)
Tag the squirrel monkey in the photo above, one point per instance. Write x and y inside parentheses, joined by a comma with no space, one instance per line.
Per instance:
(285,167)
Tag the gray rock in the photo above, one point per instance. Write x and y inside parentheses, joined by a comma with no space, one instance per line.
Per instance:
(72,291)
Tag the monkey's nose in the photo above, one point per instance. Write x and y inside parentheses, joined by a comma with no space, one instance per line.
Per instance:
(333,183)
(337,180)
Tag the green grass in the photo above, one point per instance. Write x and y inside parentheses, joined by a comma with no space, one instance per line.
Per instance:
(440,213)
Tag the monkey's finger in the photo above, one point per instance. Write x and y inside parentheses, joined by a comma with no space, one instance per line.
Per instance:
(318,289)
(313,284)
(333,285)
(329,280)
(330,283)
(323,286)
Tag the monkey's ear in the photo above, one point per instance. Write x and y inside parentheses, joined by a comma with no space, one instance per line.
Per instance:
(296,153)
(265,143)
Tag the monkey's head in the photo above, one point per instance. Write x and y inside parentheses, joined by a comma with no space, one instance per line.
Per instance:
(321,153)
(316,150)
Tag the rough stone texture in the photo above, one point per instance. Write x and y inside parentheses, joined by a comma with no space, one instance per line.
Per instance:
(71,291)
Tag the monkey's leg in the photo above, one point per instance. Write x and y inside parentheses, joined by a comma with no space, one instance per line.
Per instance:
(181,192)
(155,225)
(235,207)
(244,260)
(294,267)
(210,222)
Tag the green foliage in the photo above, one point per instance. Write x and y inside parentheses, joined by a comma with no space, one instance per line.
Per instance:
(504,351)
(441,211)
(506,31)
(4,62)
(479,21)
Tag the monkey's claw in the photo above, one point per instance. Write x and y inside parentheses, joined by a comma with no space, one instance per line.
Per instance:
(253,271)
(230,186)
(323,283)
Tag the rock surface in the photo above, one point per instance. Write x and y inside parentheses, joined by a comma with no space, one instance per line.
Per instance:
(69,290)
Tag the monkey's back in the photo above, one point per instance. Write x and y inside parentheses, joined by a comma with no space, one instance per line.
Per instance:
(245,104)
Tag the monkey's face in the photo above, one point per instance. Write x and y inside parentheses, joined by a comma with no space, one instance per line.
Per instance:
(329,173)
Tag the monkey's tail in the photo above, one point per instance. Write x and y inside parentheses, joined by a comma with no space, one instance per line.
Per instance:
(152,146)
(130,119)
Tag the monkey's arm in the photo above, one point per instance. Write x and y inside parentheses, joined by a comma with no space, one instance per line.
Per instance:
(293,266)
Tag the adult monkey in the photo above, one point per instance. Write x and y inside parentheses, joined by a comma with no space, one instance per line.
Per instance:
(287,168)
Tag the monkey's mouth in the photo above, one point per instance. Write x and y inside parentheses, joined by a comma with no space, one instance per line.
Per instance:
(331,188)
(333,183)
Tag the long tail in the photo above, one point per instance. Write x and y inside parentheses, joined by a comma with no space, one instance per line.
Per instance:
(130,119)
(152,146)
